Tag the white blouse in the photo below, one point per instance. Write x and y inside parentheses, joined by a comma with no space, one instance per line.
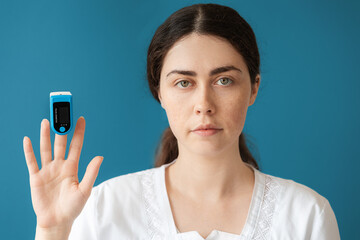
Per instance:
(136,206)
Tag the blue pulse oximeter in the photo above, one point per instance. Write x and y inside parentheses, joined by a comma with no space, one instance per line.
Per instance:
(61,112)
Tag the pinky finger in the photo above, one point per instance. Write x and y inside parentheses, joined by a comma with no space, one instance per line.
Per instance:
(30,156)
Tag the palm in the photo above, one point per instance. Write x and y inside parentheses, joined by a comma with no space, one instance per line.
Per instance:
(57,195)
(55,187)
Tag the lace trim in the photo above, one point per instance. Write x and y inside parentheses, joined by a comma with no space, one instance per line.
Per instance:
(154,220)
(271,193)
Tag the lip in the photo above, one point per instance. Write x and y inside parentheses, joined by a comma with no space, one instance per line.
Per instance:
(206,130)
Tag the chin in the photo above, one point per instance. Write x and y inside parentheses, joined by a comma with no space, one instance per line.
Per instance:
(206,148)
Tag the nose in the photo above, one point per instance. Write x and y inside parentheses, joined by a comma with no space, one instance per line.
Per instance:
(204,102)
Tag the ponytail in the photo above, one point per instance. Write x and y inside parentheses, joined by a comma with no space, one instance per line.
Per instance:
(167,150)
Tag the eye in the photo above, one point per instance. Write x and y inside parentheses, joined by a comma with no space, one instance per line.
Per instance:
(183,84)
(224,81)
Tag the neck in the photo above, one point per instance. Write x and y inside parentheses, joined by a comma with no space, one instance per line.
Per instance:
(210,178)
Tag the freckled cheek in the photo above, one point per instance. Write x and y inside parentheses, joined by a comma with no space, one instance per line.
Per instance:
(234,115)
(177,116)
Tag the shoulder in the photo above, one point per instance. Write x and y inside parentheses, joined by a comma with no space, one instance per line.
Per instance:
(115,208)
(294,197)
(118,206)
(299,209)
(127,184)
(296,193)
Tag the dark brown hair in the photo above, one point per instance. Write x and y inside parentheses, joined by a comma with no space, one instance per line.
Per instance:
(209,19)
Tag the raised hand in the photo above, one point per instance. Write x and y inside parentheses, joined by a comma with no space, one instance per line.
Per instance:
(57,196)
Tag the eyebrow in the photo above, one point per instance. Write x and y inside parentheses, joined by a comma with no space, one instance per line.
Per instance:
(212,72)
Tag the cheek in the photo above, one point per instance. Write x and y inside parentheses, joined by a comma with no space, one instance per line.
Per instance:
(235,113)
(175,112)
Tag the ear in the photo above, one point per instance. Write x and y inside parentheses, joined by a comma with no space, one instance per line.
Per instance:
(159,96)
(255,89)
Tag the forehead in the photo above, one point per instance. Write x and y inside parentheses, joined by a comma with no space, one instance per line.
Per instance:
(201,53)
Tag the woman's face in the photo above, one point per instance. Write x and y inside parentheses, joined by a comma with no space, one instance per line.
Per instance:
(205,82)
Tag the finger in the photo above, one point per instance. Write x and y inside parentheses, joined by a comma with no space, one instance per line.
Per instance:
(91,173)
(60,146)
(30,156)
(45,143)
(77,140)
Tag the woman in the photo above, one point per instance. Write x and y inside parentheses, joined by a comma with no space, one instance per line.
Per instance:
(204,69)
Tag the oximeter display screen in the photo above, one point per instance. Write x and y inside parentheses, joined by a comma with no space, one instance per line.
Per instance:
(63,115)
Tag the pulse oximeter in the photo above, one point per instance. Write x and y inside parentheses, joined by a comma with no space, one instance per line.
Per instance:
(61,112)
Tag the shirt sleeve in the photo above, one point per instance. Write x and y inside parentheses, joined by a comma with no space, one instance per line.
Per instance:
(85,225)
(325,225)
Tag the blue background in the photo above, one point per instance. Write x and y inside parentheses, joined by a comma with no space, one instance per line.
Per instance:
(304,124)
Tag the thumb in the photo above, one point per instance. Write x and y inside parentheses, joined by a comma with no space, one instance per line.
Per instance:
(91,173)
